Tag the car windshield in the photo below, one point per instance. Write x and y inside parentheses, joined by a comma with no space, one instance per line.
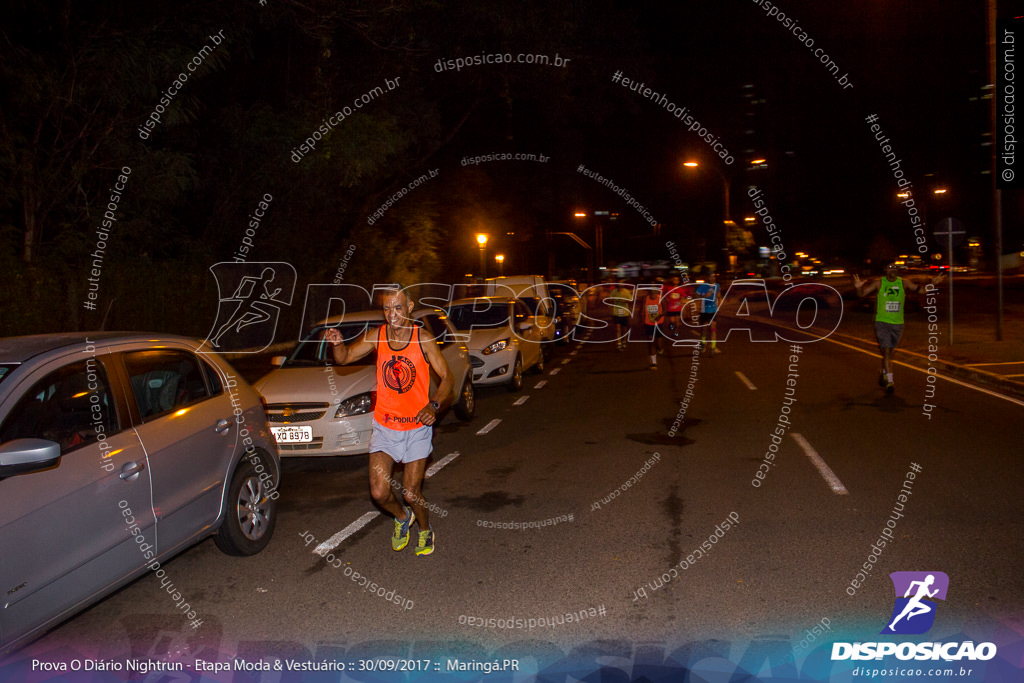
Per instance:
(315,352)
(464,317)
(531,302)
(6,370)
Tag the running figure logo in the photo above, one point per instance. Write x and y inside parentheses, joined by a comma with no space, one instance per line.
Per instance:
(399,374)
(247,318)
(914,612)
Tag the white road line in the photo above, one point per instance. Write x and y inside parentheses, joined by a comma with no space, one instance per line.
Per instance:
(436,467)
(827,474)
(490,425)
(555,371)
(1009,362)
(521,400)
(335,540)
(540,384)
(743,378)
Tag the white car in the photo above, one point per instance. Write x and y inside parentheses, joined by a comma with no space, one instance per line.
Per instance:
(318,408)
(533,291)
(504,339)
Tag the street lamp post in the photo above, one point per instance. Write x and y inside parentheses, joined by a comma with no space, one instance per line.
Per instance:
(596,219)
(481,239)
(500,258)
(726,220)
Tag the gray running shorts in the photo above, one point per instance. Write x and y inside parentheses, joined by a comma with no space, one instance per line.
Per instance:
(888,334)
(402,445)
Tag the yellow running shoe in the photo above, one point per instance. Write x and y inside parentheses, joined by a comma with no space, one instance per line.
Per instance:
(425,544)
(400,539)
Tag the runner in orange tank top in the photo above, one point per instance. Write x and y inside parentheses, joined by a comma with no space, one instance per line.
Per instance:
(403,414)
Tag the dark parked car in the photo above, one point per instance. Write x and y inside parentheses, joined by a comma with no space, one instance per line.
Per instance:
(567,311)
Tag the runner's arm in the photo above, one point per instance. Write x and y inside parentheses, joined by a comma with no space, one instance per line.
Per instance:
(346,353)
(914,287)
(862,289)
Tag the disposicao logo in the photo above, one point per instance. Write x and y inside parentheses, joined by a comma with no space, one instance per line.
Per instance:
(913,614)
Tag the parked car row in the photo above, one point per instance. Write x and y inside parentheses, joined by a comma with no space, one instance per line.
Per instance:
(120,450)
(318,408)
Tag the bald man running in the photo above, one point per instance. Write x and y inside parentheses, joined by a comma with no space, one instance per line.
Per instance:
(403,414)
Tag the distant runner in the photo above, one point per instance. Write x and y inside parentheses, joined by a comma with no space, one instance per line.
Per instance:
(651,306)
(620,300)
(672,299)
(707,292)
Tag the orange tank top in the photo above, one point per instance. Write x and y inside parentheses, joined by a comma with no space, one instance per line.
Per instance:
(403,382)
(651,305)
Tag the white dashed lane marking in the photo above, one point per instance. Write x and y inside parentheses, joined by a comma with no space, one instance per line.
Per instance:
(333,542)
(824,470)
(436,467)
(490,425)
(743,378)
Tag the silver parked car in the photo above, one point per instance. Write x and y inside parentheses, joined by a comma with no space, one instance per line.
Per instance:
(318,408)
(117,451)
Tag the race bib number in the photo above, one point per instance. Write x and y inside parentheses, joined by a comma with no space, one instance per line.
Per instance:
(652,310)
(892,306)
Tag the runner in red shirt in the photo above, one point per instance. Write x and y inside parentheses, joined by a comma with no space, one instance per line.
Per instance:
(673,297)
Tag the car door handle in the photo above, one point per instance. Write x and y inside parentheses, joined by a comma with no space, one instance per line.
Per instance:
(131,470)
(222,426)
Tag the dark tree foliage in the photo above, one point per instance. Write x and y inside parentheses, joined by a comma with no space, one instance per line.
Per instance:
(78,82)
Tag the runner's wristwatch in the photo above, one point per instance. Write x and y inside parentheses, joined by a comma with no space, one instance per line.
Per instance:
(435,405)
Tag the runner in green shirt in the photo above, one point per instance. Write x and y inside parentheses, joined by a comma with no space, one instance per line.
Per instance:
(892,296)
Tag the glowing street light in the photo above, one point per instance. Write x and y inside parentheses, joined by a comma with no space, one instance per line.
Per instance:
(500,258)
(481,239)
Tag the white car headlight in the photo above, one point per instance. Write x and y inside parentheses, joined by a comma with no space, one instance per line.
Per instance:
(359,404)
(497,346)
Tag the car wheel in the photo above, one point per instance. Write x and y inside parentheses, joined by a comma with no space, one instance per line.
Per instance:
(250,517)
(516,381)
(465,409)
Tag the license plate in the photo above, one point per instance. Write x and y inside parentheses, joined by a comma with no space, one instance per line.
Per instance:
(292,434)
